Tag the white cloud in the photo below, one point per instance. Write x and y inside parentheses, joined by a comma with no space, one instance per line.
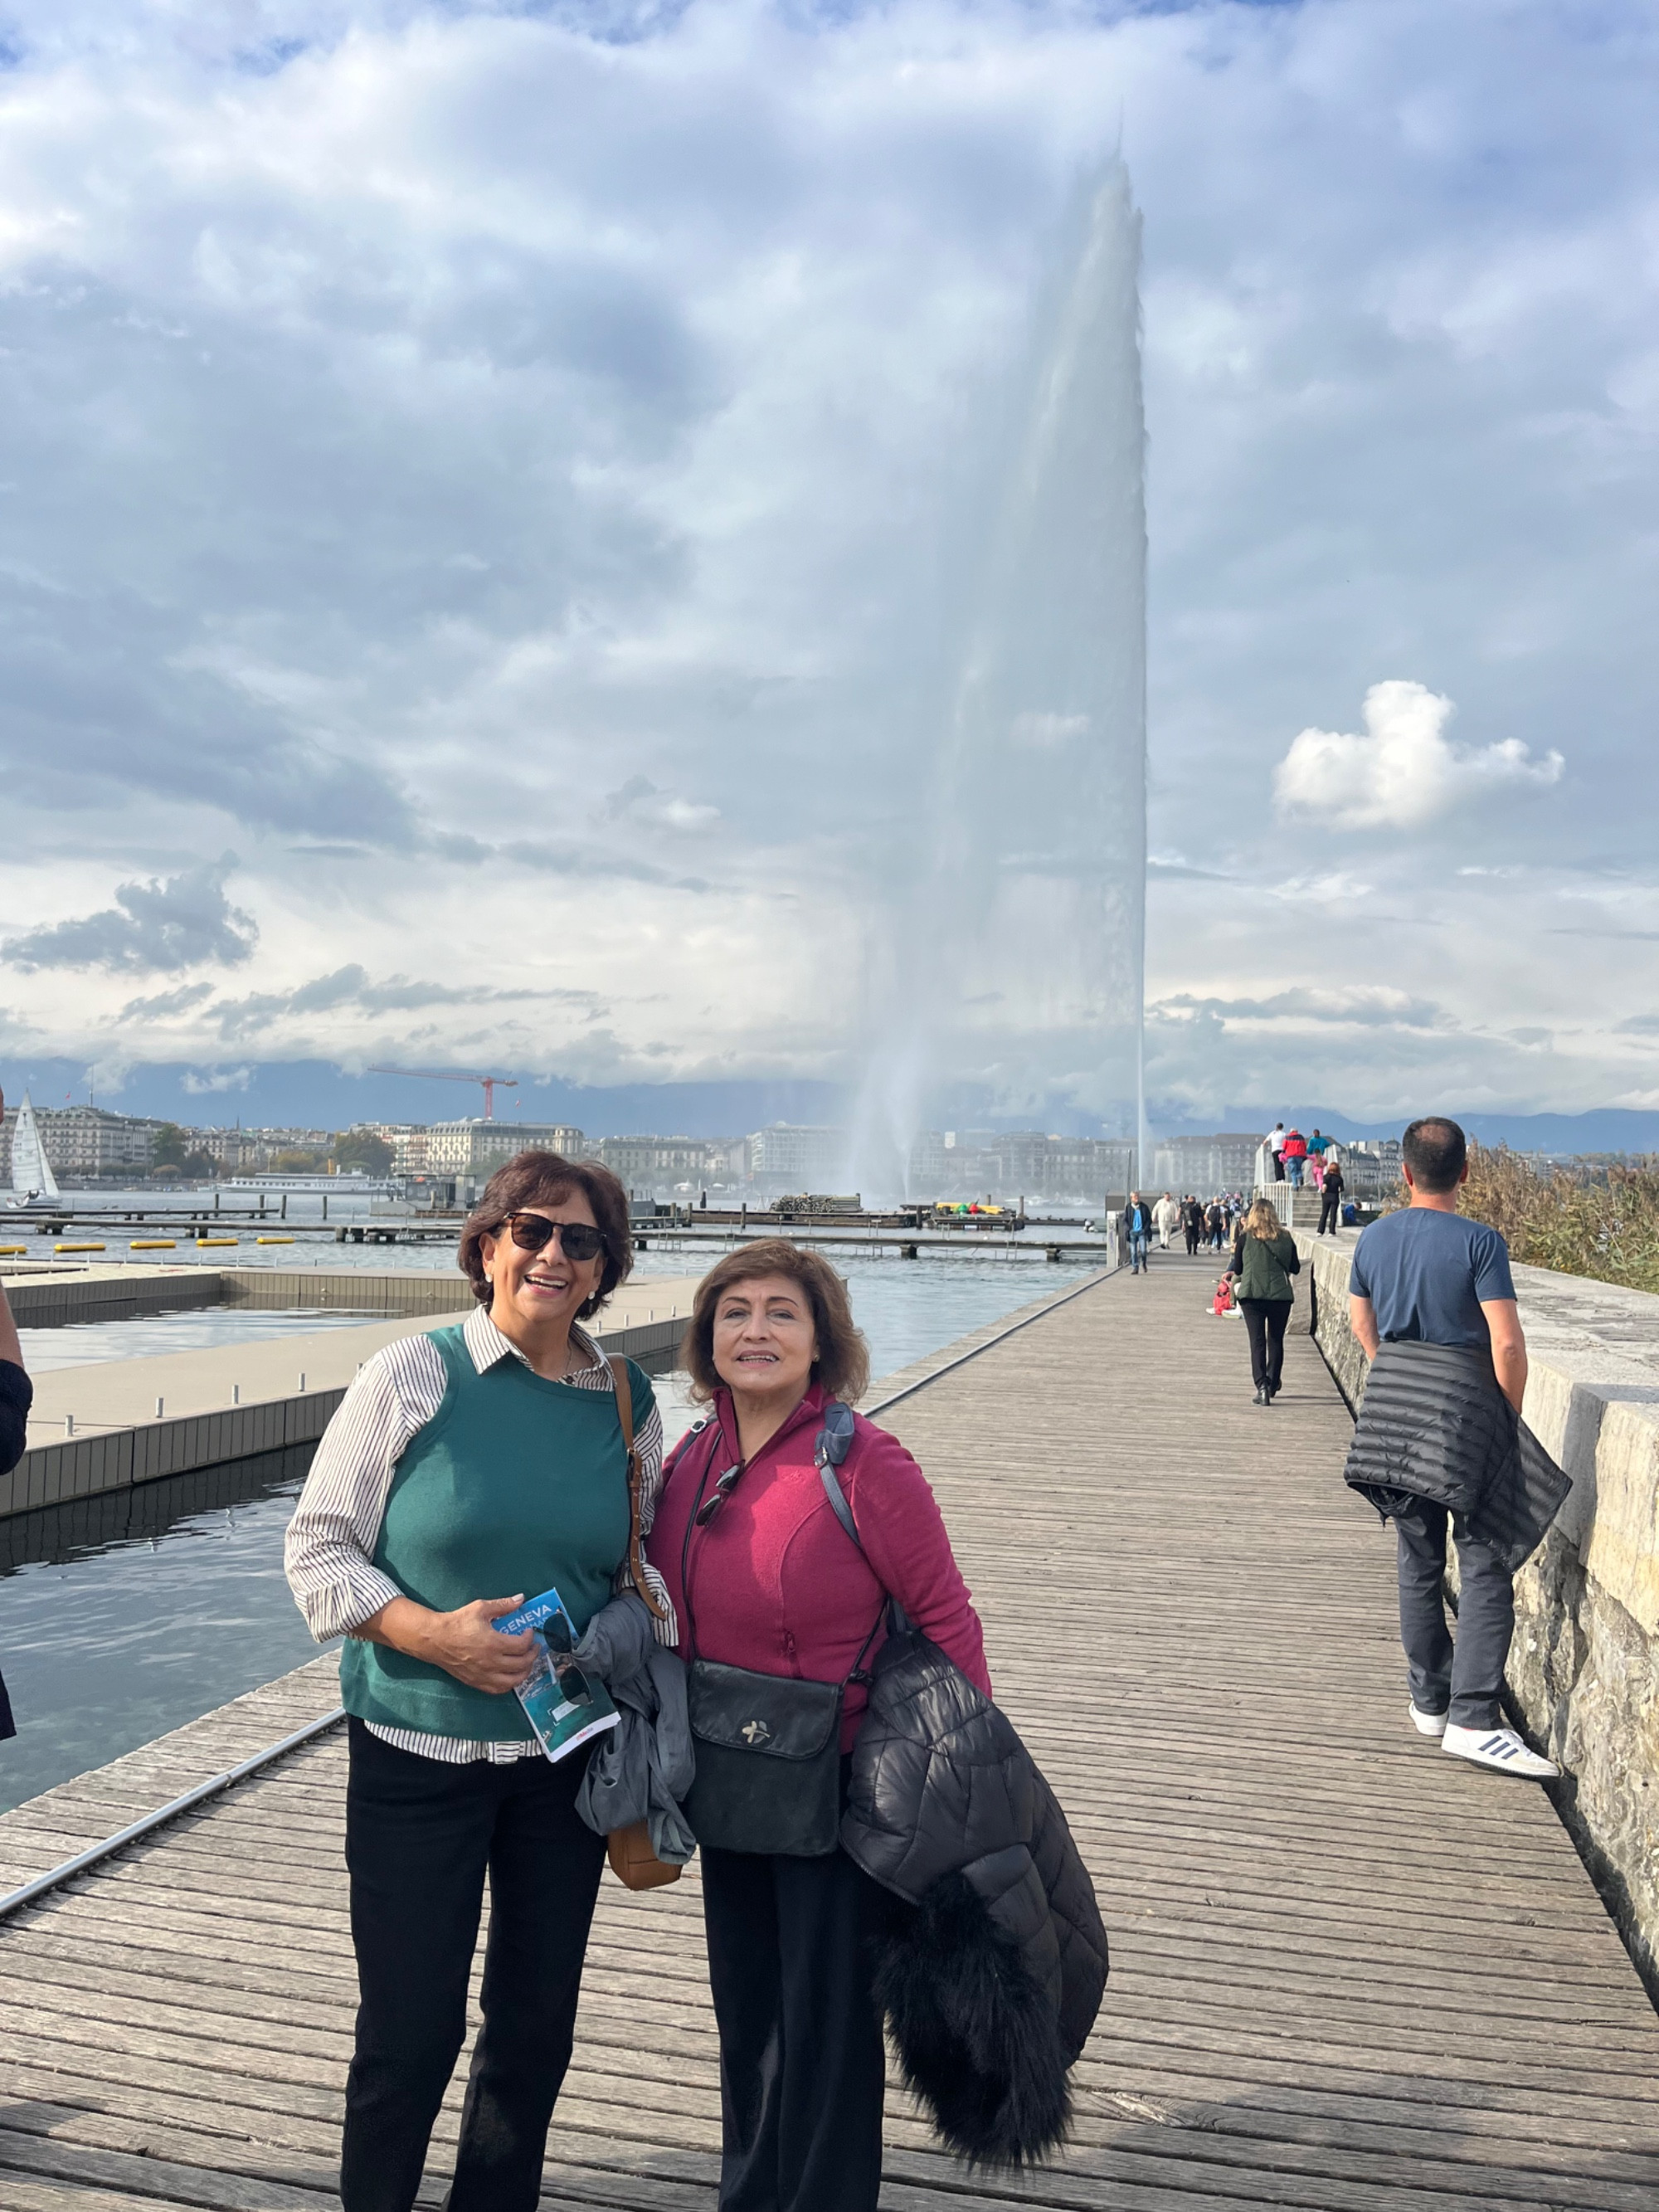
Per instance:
(205,1083)
(1405,771)
(153,928)
(420,419)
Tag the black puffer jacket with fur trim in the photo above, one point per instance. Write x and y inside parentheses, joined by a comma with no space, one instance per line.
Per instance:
(994,1959)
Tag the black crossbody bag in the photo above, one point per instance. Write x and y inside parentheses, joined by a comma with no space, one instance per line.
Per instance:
(769,1746)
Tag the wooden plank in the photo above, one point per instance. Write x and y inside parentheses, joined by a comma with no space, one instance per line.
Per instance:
(1277,2030)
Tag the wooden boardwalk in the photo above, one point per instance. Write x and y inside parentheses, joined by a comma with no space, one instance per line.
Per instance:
(1350,1975)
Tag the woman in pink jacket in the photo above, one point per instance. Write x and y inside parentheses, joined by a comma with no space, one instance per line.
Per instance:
(764,1577)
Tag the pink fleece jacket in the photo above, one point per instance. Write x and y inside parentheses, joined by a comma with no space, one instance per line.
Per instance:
(777,1585)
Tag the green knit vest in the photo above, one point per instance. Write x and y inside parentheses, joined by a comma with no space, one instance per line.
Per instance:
(515,1484)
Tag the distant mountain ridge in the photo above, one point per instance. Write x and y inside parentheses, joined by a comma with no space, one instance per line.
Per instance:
(320,1094)
(1602,1129)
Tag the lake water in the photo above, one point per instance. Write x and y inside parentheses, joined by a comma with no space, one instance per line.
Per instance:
(126,1615)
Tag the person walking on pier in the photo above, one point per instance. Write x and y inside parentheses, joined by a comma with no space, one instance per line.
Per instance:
(1137,1232)
(1264,1259)
(1166,1214)
(1330,1198)
(1439,1445)
(1192,1221)
(466,1465)
(1215,1220)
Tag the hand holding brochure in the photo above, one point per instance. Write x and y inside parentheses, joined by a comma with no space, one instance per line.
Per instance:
(561,1720)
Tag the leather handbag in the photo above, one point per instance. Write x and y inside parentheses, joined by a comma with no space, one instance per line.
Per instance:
(632,1862)
(769,1746)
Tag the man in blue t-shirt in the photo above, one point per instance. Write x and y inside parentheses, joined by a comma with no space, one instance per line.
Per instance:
(1428,1274)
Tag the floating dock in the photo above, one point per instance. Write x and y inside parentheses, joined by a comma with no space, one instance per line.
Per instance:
(1349,1973)
(122,1421)
(57,1294)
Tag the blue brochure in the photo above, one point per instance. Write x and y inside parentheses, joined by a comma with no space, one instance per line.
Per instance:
(562,1703)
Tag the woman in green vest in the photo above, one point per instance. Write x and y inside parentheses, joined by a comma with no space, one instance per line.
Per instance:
(467,1468)
(1264,1259)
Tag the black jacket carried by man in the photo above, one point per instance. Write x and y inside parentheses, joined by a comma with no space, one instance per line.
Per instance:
(1433,1423)
(994,1962)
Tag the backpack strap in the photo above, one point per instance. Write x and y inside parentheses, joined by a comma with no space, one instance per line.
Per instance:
(838,1505)
(636,1574)
(834,1441)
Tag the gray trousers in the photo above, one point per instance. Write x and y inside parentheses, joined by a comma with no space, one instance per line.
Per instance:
(1465,1680)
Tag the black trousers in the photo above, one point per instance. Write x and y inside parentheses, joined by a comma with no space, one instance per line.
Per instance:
(1463,1680)
(1265,1319)
(1193,1235)
(1330,1210)
(420,1838)
(803,2066)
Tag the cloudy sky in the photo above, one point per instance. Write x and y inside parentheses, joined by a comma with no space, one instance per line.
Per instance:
(483,491)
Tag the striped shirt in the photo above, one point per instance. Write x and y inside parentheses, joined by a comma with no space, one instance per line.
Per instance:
(330,1552)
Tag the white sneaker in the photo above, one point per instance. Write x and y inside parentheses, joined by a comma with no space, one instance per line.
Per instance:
(1427,1723)
(1500,1749)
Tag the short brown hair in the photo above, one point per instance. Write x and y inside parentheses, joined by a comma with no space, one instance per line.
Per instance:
(1437,1151)
(536,1178)
(842,1365)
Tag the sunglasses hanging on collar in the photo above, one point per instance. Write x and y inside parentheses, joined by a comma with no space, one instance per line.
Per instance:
(834,1441)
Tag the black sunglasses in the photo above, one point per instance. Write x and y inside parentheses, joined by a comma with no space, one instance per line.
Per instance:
(573,1683)
(717,1498)
(577,1239)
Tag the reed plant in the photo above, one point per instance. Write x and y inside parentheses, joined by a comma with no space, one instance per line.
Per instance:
(1590,1219)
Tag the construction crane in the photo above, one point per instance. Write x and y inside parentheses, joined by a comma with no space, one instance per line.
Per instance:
(491,1083)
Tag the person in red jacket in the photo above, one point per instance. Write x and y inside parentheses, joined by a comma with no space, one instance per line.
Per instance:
(762,1575)
(1295,1157)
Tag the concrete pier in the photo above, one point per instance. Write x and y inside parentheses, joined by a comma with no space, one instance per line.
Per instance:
(58,1295)
(1350,1974)
(236,1400)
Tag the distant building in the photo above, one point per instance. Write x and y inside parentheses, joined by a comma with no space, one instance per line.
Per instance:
(787,1158)
(647,1164)
(476,1147)
(85,1143)
(1206,1165)
(1014,1164)
(231,1151)
(408,1140)
(1371,1167)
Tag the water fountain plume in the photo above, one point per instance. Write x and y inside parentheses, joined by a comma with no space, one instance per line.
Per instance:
(1019,951)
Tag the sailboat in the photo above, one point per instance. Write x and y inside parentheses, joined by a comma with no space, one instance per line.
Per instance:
(32,1178)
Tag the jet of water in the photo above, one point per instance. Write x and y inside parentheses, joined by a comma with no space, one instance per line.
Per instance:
(1015,959)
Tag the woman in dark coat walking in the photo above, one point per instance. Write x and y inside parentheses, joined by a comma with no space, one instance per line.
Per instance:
(1264,1260)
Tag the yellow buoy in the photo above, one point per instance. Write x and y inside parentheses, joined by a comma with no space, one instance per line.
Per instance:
(77,1247)
(273,1240)
(202,1241)
(152,1244)
(14,1248)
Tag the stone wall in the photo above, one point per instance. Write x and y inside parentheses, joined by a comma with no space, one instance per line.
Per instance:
(1583,1677)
